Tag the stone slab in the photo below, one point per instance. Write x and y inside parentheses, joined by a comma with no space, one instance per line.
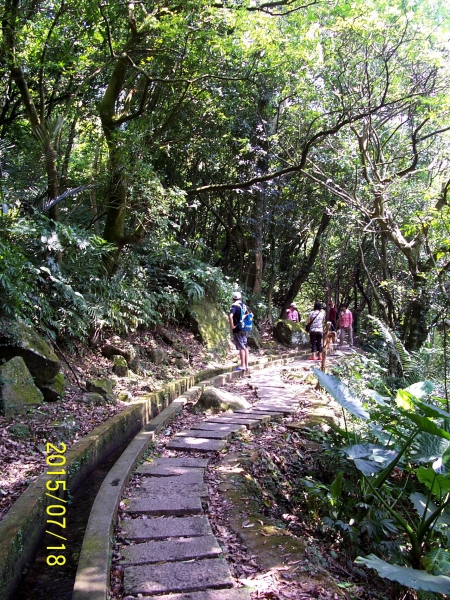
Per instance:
(286,410)
(181,461)
(233,594)
(262,417)
(161,470)
(162,505)
(157,486)
(165,527)
(209,434)
(177,577)
(184,548)
(249,423)
(274,395)
(197,444)
(274,414)
(231,427)
(188,479)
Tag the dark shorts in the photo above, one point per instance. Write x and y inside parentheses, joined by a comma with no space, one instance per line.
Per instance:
(240,340)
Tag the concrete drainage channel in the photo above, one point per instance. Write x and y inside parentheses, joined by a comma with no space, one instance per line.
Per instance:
(177,555)
(22,528)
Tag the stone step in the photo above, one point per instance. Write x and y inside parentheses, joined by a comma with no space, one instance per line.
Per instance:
(262,417)
(233,594)
(165,527)
(209,434)
(193,576)
(231,427)
(240,420)
(191,444)
(181,461)
(285,409)
(275,415)
(184,548)
(162,505)
(157,486)
(161,470)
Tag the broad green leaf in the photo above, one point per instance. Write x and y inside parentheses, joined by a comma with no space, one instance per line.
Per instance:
(446,458)
(437,561)
(438,484)
(425,424)
(357,451)
(336,486)
(378,398)
(432,411)
(420,502)
(429,448)
(404,400)
(367,467)
(413,578)
(341,393)
(420,389)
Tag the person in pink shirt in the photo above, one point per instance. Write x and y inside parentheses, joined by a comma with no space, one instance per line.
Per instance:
(346,325)
(292,313)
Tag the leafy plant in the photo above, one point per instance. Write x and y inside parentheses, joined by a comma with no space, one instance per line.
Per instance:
(397,475)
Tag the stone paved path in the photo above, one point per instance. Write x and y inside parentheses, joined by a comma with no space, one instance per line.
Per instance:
(175,555)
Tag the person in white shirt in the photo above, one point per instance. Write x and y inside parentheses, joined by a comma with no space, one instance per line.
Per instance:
(316,317)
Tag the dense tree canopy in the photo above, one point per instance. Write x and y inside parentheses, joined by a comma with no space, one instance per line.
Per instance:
(300,148)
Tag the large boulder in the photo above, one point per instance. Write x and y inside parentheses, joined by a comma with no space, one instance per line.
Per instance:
(17,339)
(209,324)
(216,400)
(120,366)
(127,351)
(18,392)
(103,386)
(254,339)
(158,356)
(54,389)
(289,333)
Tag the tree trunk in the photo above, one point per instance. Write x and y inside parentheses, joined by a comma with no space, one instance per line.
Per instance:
(415,330)
(307,266)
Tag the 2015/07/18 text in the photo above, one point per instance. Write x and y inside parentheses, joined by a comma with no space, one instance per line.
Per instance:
(55,458)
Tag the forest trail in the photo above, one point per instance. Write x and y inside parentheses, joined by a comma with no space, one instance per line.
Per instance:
(174,553)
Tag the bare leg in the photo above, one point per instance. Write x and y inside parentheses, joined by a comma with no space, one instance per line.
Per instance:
(242,354)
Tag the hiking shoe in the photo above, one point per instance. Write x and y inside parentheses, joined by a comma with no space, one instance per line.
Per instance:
(240,369)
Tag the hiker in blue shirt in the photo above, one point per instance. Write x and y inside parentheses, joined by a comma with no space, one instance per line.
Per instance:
(238,333)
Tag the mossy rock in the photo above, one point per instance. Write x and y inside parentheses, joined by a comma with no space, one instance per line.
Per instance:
(254,339)
(18,392)
(53,390)
(94,398)
(216,400)
(120,366)
(111,350)
(103,386)
(289,333)
(17,339)
(158,356)
(209,324)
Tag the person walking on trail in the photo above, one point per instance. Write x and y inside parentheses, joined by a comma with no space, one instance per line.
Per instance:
(346,325)
(316,320)
(332,315)
(239,336)
(292,313)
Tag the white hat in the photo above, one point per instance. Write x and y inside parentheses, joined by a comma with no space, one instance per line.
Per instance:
(237,295)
